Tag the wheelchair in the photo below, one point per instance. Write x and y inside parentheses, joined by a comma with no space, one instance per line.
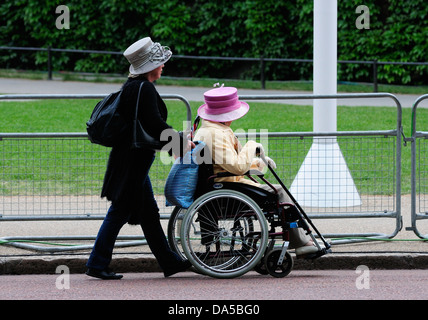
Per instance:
(232,228)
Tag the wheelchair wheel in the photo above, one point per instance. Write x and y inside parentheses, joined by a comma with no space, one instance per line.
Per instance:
(224,234)
(261,268)
(174,227)
(278,270)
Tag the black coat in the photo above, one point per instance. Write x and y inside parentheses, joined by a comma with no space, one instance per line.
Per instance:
(127,168)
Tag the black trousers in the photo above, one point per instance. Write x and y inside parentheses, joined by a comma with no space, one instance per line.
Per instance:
(117,216)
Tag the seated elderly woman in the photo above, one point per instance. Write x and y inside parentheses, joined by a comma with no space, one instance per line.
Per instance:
(221,107)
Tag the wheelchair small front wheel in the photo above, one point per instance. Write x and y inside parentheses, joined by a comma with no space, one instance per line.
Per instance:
(224,234)
(278,270)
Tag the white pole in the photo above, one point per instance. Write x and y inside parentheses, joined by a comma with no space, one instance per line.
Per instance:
(325,64)
(324,179)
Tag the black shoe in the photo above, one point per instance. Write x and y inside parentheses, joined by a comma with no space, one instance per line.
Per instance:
(105,274)
(179,267)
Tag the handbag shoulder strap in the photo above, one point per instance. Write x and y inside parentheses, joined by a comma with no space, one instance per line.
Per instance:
(138,100)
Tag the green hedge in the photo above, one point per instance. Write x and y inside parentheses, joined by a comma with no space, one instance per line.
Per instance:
(249,28)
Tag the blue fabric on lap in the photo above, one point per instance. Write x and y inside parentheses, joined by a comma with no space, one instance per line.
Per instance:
(182,179)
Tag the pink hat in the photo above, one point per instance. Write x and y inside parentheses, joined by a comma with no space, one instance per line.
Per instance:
(222,105)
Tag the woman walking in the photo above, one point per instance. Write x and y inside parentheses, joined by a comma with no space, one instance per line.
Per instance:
(127,183)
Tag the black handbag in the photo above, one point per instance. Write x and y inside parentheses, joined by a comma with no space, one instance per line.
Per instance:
(108,128)
(140,137)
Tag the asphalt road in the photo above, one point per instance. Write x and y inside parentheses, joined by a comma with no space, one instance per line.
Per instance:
(363,284)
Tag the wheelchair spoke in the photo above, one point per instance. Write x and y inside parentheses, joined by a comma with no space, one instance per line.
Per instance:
(231,234)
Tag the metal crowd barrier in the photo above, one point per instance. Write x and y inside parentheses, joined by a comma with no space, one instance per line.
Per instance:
(419,173)
(389,205)
(72,203)
(48,197)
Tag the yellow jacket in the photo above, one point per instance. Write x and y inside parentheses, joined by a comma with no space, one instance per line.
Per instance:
(227,152)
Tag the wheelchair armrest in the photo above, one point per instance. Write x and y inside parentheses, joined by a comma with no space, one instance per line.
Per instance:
(255,172)
(222,175)
(248,173)
(229,174)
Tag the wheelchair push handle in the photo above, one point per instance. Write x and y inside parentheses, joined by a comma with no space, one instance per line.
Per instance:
(260,151)
(261,154)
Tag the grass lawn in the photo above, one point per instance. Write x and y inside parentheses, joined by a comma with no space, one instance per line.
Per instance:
(71,116)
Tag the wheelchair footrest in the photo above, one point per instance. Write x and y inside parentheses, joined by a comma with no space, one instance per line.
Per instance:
(315,255)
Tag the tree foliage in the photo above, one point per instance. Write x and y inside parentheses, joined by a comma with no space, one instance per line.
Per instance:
(246,28)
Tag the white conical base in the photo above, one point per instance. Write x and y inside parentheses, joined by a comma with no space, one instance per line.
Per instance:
(324,179)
